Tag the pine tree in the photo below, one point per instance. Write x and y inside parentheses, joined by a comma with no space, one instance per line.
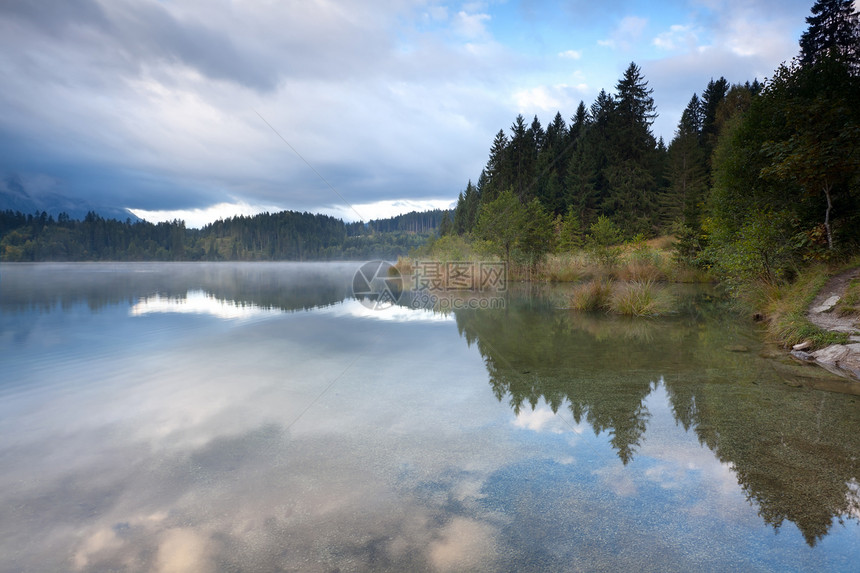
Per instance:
(556,133)
(581,190)
(497,171)
(633,172)
(580,121)
(466,211)
(686,172)
(538,135)
(521,153)
(834,30)
(711,99)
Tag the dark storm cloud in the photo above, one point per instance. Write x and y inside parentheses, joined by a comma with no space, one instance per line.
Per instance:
(138,33)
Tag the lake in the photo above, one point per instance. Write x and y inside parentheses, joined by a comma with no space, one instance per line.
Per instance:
(259,417)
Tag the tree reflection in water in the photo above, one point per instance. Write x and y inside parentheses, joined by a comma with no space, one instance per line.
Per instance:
(793,449)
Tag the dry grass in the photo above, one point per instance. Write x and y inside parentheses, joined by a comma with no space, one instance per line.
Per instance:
(639,270)
(565,267)
(629,298)
(591,295)
(637,262)
(785,307)
(639,298)
(850,303)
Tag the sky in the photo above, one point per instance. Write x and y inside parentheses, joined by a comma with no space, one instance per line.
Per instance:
(203,109)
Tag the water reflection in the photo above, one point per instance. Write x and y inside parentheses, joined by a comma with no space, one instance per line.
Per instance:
(794,451)
(148,419)
(200,302)
(282,286)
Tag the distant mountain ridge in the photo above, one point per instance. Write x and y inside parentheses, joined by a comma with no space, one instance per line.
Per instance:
(15,196)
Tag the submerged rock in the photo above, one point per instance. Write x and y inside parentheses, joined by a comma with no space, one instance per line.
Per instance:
(804,356)
(840,357)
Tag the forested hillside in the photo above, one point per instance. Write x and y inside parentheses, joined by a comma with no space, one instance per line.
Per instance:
(287,235)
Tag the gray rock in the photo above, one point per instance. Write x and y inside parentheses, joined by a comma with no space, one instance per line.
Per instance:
(803,356)
(840,358)
(827,305)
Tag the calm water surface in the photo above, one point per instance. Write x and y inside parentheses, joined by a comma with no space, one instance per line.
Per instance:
(220,417)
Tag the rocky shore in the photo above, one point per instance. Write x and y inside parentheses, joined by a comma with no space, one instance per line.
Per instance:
(841,359)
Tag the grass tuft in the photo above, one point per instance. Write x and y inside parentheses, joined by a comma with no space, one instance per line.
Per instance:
(591,295)
(639,298)
(785,306)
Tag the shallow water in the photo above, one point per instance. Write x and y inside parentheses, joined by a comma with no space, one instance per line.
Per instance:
(255,417)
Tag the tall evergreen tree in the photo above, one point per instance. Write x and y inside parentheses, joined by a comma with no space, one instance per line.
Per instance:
(711,99)
(466,212)
(687,174)
(581,195)
(538,135)
(498,171)
(521,153)
(634,113)
(631,195)
(556,133)
(834,30)
(579,121)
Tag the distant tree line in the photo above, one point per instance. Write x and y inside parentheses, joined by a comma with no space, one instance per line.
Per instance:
(757,179)
(287,235)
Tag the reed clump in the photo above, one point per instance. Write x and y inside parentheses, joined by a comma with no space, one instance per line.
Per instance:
(591,295)
(629,298)
(639,298)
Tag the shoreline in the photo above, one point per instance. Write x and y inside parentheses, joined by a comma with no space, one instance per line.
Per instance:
(840,359)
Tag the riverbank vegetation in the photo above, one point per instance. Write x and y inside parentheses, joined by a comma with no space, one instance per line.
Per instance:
(785,305)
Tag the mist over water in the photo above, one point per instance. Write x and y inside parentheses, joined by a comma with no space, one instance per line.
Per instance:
(232,417)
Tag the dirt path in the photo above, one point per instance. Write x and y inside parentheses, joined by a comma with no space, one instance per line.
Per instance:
(820,311)
(842,359)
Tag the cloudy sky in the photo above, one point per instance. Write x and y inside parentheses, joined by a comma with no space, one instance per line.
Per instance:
(200,109)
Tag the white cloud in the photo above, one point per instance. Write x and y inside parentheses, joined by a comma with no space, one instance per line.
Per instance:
(438,13)
(536,98)
(570,54)
(383,209)
(471,25)
(626,34)
(196,218)
(541,419)
(549,99)
(678,36)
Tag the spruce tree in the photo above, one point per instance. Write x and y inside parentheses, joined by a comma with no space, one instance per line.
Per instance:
(834,30)
(711,99)
(497,171)
(634,170)
(686,172)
